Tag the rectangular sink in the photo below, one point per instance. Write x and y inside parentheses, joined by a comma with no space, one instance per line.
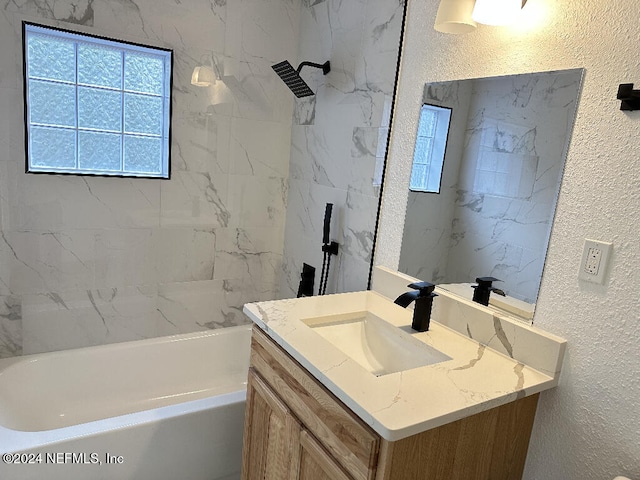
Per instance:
(377,346)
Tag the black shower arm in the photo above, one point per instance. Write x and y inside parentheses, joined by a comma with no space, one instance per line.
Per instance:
(325,67)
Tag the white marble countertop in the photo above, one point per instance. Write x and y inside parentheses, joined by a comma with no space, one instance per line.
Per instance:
(398,405)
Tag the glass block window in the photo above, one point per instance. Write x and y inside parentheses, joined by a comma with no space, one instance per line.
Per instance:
(431,143)
(95,106)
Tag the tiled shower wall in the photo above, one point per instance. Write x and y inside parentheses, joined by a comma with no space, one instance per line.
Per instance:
(89,260)
(339,136)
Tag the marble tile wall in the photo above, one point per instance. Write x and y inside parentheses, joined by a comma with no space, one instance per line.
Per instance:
(88,260)
(506,197)
(338,137)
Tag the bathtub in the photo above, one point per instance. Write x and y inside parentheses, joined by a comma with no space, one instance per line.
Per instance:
(164,408)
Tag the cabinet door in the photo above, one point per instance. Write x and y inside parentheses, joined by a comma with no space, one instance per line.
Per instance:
(314,463)
(271,434)
(339,430)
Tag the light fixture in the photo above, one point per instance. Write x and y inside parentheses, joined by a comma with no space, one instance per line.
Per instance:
(207,73)
(203,76)
(463,16)
(454,16)
(497,12)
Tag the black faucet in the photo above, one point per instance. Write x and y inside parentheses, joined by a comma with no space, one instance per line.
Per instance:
(483,290)
(423,296)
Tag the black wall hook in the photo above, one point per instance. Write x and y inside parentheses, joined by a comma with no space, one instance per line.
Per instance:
(630,97)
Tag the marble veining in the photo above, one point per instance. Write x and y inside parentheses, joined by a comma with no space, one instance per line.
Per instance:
(305,111)
(10,326)
(70,11)
(497,325)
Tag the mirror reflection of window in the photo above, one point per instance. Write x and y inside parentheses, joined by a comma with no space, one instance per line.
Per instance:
(505,166)
(431,143)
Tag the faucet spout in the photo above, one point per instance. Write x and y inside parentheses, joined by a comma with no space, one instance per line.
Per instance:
(423,296)
(406,298)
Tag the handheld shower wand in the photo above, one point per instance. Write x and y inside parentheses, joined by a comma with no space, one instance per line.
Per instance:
(329,248)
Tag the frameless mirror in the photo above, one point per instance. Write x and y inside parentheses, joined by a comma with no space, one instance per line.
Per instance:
(485,207)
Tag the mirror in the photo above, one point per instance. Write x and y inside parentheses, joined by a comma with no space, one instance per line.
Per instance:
(491,215)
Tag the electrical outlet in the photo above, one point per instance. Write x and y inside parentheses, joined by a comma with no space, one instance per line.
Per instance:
(595,260)
(592,264)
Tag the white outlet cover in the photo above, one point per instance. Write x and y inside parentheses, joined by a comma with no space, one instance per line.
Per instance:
(595,261)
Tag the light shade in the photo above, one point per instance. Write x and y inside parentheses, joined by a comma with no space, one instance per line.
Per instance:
(203,76)
(454,16)
(496,12)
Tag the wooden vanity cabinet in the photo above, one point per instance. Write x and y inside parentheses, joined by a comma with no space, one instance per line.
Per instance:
(314,463)
(276,446)
(271,434)
(296,429)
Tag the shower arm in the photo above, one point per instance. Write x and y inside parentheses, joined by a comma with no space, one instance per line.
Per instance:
(325,67)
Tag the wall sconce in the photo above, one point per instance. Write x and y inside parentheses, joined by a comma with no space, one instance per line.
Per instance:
(222,87)
(207,73)
(462,16)
(454,16)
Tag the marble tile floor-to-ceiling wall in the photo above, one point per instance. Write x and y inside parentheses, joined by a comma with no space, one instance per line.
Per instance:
(338,139)
(91,260)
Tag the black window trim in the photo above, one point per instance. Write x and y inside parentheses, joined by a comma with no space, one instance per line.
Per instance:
(26,112)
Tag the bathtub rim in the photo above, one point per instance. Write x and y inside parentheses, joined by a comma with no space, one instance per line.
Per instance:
(8,362)
(12,441)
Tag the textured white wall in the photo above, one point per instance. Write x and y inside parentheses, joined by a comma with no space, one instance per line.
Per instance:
(589,427)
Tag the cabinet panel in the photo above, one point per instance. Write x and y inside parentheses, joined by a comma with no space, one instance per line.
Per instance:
(345,436)
(271,434)
(315,463)
(489,445)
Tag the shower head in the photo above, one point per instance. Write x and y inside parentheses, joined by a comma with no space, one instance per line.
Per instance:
(293,79)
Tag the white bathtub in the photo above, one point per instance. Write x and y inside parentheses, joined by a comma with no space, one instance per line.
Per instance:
(165,408)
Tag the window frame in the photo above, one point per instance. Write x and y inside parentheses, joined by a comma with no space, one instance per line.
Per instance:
(119,43)
(444,149)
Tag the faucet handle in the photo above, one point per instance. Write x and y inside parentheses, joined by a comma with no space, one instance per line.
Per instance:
(483,289)
(486,282)
(424,288)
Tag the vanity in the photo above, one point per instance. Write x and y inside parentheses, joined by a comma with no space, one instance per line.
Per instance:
(341,388)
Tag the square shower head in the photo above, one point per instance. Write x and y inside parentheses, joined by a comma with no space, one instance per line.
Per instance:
(292,79)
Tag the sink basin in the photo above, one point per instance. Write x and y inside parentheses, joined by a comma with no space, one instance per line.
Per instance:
(377,346)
